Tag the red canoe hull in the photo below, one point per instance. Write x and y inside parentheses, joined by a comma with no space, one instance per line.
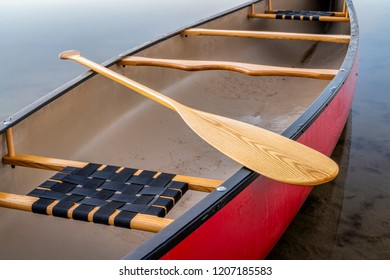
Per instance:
(251,224)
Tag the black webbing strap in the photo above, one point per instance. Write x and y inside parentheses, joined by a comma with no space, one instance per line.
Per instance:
(62,207)
(96,192)
(102,215)
(123,219)
(40,206)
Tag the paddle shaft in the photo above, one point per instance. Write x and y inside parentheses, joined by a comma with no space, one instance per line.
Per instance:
(145,91)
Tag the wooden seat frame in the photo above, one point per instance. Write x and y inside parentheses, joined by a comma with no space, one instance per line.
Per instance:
(271,14)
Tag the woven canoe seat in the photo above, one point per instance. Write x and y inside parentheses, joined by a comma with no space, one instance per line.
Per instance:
(99,191)
(302,15)
(105,194)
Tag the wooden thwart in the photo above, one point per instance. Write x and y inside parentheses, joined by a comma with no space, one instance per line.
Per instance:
(140,221)
(333,38)
(245,68)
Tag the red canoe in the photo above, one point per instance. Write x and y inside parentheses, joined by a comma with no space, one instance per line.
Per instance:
(150,188)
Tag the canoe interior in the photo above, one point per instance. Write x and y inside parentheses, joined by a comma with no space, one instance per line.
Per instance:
(100,121)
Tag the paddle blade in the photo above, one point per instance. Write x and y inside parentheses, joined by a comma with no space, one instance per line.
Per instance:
(260,150)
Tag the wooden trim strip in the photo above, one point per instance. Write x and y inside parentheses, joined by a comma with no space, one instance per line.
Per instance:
(194,183)
(140,221)
(320,18)
(245,68)
(268,35)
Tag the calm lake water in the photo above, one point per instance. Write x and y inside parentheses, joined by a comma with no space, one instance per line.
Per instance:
(350,218)
(34,32)
(346,219)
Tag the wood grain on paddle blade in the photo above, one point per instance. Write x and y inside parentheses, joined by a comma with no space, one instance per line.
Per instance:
(268,153)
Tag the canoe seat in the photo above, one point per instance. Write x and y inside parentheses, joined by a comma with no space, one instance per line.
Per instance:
(302,15)
(104,194)
(333,16)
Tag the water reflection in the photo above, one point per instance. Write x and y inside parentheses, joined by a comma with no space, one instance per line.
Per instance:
(363,230)
(33,33)
(314,232)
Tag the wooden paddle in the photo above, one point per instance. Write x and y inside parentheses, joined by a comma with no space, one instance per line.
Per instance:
(263,151)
